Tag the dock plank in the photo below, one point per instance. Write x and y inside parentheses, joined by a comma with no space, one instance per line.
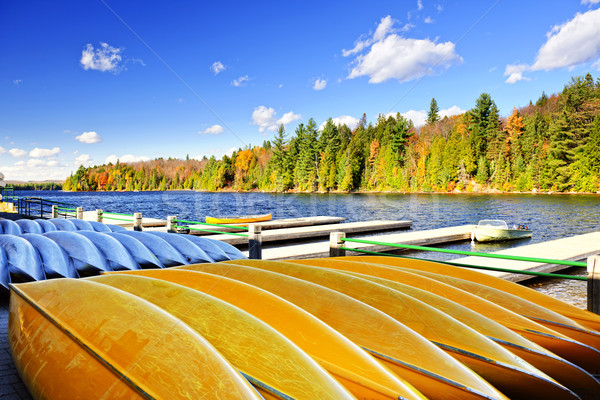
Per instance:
(574,248)
(420,238)
(286,234)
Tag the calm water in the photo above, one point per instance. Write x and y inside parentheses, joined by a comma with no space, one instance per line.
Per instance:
(550,216)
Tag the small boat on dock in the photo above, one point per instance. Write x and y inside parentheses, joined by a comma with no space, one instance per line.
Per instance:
(492,230)
(246,219)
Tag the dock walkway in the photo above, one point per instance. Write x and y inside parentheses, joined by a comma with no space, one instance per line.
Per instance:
(287,234)
(146,222)
(276,224)
(574,248)
(321,249)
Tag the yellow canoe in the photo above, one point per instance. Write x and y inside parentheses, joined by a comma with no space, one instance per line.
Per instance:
(507,372)
(563,371)
(433,372)
(349,364)
(246,219)
(578,353)
(583,317)
(276,367)
(73,339)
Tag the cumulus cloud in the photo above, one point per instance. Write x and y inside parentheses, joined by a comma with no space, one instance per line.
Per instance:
(83,159)
(106,58)
(127,158)
(419,117)
(241,81)
(217,67)
(265,118)
(35,170)
(213,130)
(2,150)
(89,137)
(17,152)
(319,84)
(419,5)
(568,45)
(590,2)
(44,153)
(347,120)
(391,56)
(428,20)
(35,162)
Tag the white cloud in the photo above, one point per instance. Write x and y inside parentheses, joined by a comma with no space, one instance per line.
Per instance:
(241,81)
(35,162)
(44,153)
(83,159)
(217,67)
(265,118)
(89,137)
(419,5)
(35,170)
(573,43)
(428,20)
(17,82)
(127,158)
(347,120)
(391,56)
(454,110)
(320,84)
(213,130)
(590,2)
(2,150)
(288,118)
(105,58)
(515,73)
(17,152)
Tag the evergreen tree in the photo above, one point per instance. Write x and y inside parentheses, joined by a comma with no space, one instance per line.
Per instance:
(433,113)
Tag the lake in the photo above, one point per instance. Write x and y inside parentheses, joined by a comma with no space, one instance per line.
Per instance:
(549,216)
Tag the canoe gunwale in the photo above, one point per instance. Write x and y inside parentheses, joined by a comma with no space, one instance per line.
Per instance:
(83,344)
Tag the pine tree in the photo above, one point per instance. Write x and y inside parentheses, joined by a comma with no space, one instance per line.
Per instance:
(433,113)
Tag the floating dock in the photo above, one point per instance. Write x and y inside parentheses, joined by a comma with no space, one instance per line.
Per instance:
(574,248)
(305,232)
(321,249)
(277,224)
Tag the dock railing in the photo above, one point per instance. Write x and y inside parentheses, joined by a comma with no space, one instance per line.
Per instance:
(337,249)
(42,208)
(254,233)
(135,219)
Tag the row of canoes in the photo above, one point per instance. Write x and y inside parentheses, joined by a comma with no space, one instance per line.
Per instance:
(359,327)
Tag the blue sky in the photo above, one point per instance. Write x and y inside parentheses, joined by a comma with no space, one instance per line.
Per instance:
(87,82)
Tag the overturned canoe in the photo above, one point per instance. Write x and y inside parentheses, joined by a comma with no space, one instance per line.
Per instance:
(344,360)
(65,346)
(409,355)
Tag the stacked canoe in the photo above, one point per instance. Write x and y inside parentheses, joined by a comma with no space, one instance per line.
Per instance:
(33,250)
(335,328)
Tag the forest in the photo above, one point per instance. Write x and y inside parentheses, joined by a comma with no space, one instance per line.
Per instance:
(550,145)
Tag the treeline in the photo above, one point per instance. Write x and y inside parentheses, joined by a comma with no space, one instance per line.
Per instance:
(36,186)
(552,145)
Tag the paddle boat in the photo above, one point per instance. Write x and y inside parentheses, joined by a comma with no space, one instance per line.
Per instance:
(491,230)
(246,219)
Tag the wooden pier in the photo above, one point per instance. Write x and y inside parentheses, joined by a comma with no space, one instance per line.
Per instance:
(276,224)
(321,248)
(574,248)
(315,231)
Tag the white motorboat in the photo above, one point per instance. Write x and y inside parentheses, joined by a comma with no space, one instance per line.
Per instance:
(491,230)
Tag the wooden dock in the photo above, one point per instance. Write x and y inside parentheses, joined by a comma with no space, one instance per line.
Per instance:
(321,248)
(275,224)
(315,231)
(574,248)
(146,222)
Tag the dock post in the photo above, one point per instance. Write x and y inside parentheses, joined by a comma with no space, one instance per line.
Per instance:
(54,211)
(335,244)
(593,286)
(99,215)
(171,227)
(79,213)
(254,242)
(137,221)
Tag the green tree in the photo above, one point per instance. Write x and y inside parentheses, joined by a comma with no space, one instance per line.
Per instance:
(433,114)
